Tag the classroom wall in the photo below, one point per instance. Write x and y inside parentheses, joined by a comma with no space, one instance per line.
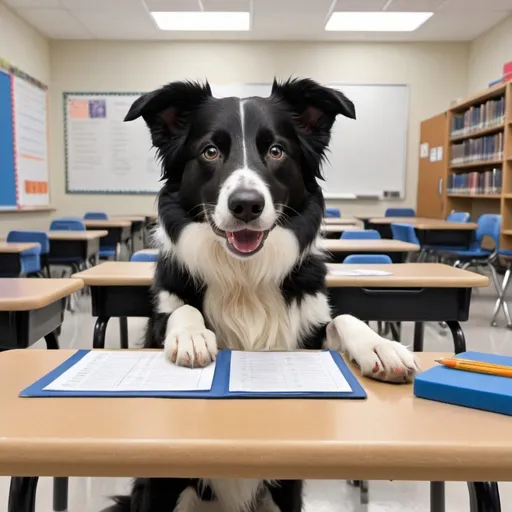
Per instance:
(25,48)
(436,73)
(488,53)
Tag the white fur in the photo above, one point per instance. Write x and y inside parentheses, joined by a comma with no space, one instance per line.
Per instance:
(167,302)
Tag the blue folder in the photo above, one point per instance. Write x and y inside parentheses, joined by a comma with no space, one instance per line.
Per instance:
(219,389)
(475,390)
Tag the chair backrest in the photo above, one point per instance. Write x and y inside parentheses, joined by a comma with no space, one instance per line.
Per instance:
(360,234)
(95,216)
(39,237)
(489,224)
(458,217)
(144,256)
(67,224)
(367,258)
(404,232)
(400,212)
(332,213)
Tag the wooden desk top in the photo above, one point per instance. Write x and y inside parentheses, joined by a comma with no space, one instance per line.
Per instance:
(368,245)
(340,221)
(16,247)
(131,218)
(77,235)
(23,294)
(338,228)
(125,273)
(424,223)
(426,275)
(390,435)
(111,223)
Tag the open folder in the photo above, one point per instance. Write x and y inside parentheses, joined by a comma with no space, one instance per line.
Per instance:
(146,373)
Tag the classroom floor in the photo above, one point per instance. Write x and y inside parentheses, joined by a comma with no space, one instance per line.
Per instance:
(88,494)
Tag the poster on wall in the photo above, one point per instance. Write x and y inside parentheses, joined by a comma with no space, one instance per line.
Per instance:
(103,153)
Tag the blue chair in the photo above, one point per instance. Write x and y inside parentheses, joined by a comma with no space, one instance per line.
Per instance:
(144,255)
(30,259)
(67,224)
(458,217)
(400,212)
(332,213)
(406,233)
(360,259)
(361,234)
(39,237)
(95,216)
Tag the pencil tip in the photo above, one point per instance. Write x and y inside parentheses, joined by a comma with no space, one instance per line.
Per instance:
(437,360)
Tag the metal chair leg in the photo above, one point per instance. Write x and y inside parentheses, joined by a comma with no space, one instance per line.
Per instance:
(501,302)
(484,497)
(22,494)
(459,340)
(99,332)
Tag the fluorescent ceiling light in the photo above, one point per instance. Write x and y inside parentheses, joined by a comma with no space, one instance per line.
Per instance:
(203,20)
(382,21)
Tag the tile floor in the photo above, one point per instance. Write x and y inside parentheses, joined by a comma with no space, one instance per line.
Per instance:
(89,494)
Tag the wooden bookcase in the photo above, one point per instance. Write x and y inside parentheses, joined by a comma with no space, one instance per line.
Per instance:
(480,203)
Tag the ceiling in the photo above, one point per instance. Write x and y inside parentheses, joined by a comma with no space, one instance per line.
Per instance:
(453,20)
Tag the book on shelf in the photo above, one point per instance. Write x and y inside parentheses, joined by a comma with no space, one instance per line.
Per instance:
(479,117)
(477,182)
(479,149)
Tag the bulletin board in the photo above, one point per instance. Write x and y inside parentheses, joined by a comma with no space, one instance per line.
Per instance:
(24,175)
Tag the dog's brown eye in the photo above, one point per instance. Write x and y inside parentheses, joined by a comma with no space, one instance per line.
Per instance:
(211,153)
(276,152)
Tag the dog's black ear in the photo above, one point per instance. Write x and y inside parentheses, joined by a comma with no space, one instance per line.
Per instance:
(169,104)
(314,107)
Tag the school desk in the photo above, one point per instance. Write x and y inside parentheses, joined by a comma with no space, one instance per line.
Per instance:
(395,249)
(415,292)
(429,231)
(31,309)
(340,221)
(119,231)
(137,230)
(389,436)
(68,244)
(334,231)
(10,259)
(364,219)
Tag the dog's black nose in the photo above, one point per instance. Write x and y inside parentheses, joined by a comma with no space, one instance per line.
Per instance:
(246,204)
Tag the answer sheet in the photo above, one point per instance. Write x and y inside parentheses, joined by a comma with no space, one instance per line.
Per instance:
(314,372)
(131,370)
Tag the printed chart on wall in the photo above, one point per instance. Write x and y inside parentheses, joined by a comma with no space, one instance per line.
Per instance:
(103,153)
(24,141)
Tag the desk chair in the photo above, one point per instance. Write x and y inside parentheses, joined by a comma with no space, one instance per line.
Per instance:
(406,233)
(106,252)
(400,212)
(458,217)
(332,213)
(144,256)
(39,237)
(95,216)
(361,234)
(376,259)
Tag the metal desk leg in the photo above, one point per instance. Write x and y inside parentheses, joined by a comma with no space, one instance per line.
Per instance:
(60,494)
(459,341)
(437,501)
(100,329)
(22,494)
(419,330)
(484,497)
(52,342)
(123,331)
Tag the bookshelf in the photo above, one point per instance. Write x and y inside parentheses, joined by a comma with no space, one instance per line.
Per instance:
(479,157)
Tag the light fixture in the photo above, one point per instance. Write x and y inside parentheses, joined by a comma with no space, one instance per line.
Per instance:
(203,20)
(381,21)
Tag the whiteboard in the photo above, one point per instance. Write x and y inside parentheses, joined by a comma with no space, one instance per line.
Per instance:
(104,154)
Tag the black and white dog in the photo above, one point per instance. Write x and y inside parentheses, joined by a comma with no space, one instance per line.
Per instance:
(239,267)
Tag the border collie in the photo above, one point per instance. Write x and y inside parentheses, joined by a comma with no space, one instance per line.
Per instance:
(239,266)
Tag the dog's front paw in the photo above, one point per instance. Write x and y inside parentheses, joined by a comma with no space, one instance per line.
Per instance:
(191,347)
(386,360)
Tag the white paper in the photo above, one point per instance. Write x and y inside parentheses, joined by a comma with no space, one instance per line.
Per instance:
(440,154)
(360,272)
(433,154)
(424,150)
(130,370)
(286,372)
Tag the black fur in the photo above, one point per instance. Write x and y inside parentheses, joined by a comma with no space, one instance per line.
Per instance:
(184,118)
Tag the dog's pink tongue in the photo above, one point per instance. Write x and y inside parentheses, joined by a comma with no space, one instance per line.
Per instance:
(246,240)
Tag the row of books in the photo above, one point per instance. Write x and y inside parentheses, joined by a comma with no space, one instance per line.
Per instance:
(484,182)
(476,150)
(488,114)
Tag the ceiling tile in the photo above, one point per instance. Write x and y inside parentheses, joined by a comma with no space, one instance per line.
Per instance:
(173,5)
(415,5)
(33,4)
(479,5)
(227,5)
(103,5)
(55,23)
(359,5)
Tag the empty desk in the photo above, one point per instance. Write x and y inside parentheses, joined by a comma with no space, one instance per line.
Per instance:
(395,249)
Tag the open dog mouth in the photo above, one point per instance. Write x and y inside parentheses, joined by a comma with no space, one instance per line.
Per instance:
(245,242)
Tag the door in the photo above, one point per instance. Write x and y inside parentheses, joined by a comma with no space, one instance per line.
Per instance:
(432,169)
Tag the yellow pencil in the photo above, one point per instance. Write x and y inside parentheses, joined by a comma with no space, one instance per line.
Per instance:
(476,366)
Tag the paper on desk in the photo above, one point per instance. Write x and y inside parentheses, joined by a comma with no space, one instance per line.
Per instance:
(359,272)
(314,372)
(125,370)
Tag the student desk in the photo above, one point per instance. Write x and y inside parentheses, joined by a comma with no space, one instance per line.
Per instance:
(137,229)
(389,436)
(10,264)
(67,244)
(395,249)
(31,309)
(119,231)
(364,219)
(415,292)
(340,221)
(429,231)
(333,231)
